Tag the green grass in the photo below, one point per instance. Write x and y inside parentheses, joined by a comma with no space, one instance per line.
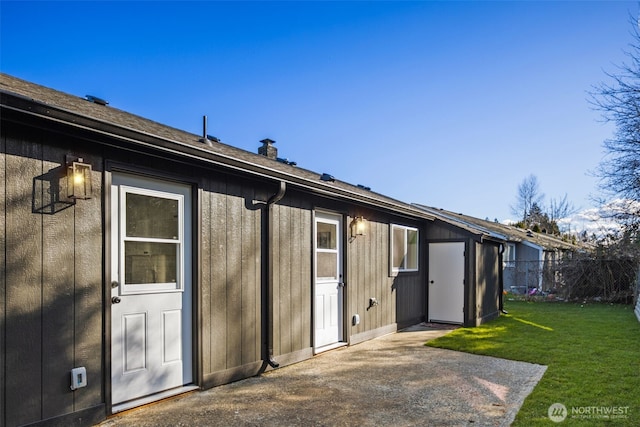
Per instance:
(592,354)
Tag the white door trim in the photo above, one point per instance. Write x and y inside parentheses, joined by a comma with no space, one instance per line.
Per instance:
(332,336)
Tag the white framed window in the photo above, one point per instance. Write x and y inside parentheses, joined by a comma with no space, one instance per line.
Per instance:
(509,255)
(151,241)
(404,248)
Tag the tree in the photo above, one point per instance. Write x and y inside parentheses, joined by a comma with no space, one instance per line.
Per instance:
(534,215)
(540,221)
(619,102)
(559,209)
(528,195)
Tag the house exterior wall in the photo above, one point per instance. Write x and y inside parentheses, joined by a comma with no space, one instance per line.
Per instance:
(231,277)
(291,252)
(401,296)
(56,265)
(482,275)
(487,281)
(527,253)
(252,263)
(526,271)
(51,283)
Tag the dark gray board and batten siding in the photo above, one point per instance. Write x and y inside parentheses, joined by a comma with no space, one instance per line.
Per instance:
(56,265)
(52,285)
(488,277)
(482,271)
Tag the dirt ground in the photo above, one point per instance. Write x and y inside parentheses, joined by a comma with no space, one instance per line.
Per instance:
(390,381)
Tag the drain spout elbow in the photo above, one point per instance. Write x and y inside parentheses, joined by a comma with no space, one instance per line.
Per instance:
(279,195)
(272,362)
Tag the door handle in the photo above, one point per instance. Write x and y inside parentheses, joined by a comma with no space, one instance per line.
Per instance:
(432,282)
(115,300)
(342,284)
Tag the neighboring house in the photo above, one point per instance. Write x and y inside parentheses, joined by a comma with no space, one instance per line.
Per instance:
(140,261)
(529,258)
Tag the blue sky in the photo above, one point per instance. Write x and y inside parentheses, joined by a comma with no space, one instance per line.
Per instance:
(448,104)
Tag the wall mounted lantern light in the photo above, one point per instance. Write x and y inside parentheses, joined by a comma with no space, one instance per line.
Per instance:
(358,226)
(79,180)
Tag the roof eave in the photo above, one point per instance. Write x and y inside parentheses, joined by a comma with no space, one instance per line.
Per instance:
(17,103)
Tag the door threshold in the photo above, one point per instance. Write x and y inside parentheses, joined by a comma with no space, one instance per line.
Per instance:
(445,322)
(329,347)
(152,398)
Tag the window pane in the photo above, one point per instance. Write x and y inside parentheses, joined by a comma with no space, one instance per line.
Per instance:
(147,262)
(326,238)
(149,216)
(398,247)
(412,250)
(327,265)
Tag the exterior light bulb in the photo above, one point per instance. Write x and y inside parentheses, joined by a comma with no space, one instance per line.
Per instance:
(78,178)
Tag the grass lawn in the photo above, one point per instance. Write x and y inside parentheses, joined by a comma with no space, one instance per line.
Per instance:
(592,353)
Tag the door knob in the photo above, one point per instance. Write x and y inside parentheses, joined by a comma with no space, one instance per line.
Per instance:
(115,300)
(431,282)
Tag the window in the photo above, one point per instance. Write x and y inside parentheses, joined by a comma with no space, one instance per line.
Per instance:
(327,262)
(404,248)
(509,255)
(151,240)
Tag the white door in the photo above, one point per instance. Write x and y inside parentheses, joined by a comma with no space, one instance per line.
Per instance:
(328,295)
(446,282)
(150,289)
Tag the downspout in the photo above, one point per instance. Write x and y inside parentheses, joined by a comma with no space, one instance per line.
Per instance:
(501,278)
(270,268)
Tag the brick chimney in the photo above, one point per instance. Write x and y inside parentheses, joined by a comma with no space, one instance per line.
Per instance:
(268,149)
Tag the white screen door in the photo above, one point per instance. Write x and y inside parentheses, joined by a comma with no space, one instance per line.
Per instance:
(446,282)
(328,295)
(150,289)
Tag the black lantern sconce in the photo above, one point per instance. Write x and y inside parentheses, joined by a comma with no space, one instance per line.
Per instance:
(79,186)
(358,226)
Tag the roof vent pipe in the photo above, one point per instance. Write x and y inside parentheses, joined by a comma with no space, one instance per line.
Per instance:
(205,139)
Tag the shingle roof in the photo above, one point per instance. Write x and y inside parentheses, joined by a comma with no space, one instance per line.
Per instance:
(458,221)
(510,233)
(55,104)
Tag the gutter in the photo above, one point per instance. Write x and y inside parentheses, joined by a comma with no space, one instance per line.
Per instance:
(270,269)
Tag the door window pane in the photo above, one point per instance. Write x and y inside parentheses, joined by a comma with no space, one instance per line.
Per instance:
(151,217)
(326,236)
(327,265)
(149,263)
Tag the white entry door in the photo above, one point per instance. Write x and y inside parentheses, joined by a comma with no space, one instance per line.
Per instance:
(150,289)
(328,295)
(446,282)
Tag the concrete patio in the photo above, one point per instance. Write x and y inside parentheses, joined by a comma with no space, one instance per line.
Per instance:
(391,381)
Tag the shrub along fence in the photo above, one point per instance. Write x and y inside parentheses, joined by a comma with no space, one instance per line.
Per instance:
(587,278)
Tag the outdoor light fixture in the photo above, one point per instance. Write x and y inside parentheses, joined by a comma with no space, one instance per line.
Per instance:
(358,226)
(79,180)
